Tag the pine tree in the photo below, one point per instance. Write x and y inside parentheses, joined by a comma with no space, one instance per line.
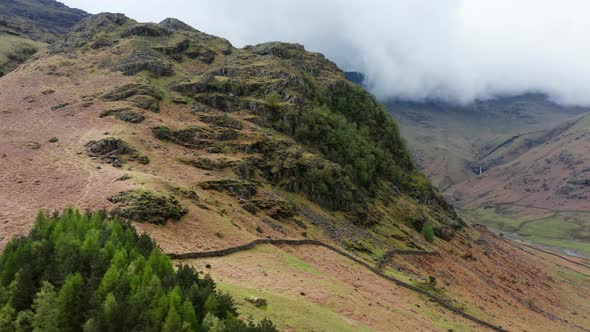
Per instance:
(70,306)
(45,319)
(427,232)
(173,322)
(188,314)
(104,281)
(7,317)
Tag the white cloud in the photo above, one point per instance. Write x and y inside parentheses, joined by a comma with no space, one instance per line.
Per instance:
(414,49)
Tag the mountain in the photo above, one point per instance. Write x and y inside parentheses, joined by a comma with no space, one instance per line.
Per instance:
(542,181)
(267,169)
(507,162)
(27,25)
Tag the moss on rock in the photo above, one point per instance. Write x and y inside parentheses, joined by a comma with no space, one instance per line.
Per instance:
(235,187)
(147,206)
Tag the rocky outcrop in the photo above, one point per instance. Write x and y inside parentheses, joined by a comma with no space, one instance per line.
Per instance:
(114,151)
(146,30)
(124,114)
(175,49)
(222,121)
(196,137)
(240,188)
(173,24)
(275,207)
(128,90)
(145,59)
(138,94)
(147,206)
(148,103)
(210,164)
(87,31)
(297,170)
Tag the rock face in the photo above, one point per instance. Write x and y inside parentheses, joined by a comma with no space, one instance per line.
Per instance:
(146,30)
(239,188)
(129,90)
(145,59)
(114,151)
(147,206)
(124,114)
(176,25)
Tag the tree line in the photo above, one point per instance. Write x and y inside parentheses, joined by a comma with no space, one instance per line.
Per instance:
(87,272)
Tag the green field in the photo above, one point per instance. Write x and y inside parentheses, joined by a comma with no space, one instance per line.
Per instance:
(565,230)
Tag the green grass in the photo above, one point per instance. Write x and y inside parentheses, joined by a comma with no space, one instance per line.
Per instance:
(491,217)
(581,247)
(286,311)
(552,228)
(11,44)
(566,230)
(299,264)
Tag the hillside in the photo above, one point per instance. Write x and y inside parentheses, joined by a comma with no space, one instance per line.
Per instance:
(486,156)
(544,187)
(207,147)
(451,142)
(26,26)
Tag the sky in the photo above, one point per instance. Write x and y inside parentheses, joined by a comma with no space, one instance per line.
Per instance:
(455,50)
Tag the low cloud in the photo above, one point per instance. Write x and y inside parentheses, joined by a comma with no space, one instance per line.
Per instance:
(457,50)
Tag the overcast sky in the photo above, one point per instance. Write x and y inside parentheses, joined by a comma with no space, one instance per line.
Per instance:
(411,49)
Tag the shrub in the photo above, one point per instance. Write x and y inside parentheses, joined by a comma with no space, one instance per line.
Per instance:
(162,133)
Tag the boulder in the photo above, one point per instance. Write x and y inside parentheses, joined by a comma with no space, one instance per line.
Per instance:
(256,301)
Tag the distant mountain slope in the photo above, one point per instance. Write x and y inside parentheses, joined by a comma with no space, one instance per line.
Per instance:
(544,184)
(516,164)
(39,20)
(451,142)
(27,25)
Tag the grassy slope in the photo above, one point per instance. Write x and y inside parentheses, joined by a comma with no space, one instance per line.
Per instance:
(567,230)
(12,47)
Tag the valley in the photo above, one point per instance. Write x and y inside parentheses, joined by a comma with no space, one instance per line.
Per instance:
(515,164)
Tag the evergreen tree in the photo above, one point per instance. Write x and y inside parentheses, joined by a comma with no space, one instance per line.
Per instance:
(173,322)
(428,232)
(70,305)
(84,272)
(45,317)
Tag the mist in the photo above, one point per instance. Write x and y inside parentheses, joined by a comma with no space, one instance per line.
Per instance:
(455,50)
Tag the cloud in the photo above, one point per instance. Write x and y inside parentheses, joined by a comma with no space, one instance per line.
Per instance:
(457,50)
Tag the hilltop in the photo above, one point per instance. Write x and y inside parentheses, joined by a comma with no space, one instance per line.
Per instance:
(206,146)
